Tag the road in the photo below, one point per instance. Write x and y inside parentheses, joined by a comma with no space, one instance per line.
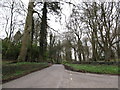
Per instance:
(57,77)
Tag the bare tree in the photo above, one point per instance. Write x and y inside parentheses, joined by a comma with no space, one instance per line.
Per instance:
(101,20)
(26,40)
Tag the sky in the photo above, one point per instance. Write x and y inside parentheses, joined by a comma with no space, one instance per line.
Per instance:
(67,10)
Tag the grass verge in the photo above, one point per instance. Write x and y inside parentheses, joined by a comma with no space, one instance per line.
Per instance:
(16,70)
(98,69)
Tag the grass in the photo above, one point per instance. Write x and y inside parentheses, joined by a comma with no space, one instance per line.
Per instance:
(12,71)
(101,69)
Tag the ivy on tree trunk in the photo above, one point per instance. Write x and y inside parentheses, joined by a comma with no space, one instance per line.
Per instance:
(43,34)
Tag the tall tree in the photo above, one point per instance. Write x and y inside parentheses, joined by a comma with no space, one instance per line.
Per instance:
(52,47)
(102,21)
(74,25)
(43,34)
(53,7)
(26,39)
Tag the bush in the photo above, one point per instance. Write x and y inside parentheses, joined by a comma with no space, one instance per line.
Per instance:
(10,50)
(12,71)
(65,62)
(33,53)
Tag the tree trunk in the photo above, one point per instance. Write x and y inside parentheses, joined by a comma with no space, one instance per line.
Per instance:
(107,52)
(30,48)
(26,39)
(68,54)
(118,45)
(83,56)
(11,21)
(94,49)
(75,54)
(11,28)
(79,50)
(43,34)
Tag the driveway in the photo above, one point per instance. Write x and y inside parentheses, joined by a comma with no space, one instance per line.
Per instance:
(57,77)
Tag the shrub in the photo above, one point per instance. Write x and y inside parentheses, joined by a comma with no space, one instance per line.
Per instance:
(10,50)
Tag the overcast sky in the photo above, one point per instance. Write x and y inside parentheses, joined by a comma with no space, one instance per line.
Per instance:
(67,9)
(56,25)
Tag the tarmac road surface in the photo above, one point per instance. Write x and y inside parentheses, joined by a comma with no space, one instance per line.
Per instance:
(57,77)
